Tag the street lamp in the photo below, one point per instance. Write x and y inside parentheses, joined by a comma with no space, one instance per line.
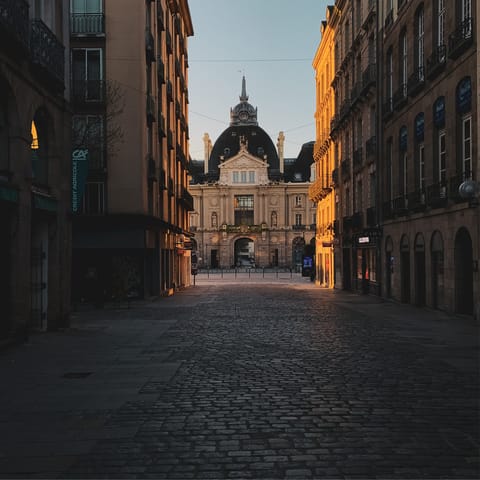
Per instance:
(470,190)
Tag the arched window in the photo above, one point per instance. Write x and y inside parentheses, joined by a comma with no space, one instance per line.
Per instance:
(39,148)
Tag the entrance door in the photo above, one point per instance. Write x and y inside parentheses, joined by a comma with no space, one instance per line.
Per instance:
(214,258)
(244,253)
(463,272)
(420,283)
(39,276)
(5,269)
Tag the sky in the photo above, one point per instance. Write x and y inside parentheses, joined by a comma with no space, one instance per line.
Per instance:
(272,43)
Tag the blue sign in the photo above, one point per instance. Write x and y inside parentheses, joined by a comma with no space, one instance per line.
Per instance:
(403,138)
(419,127)
(79,176)
(464,95)
(439,112)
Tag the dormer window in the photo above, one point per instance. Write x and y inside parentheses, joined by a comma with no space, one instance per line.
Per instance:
(226,152)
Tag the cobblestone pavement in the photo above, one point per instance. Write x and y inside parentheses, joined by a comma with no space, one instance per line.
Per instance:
(245,381)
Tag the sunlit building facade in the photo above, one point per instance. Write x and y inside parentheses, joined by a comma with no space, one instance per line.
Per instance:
(251,205)
(430,141)
(35,164)
(130,102)
(322,190)
(353,130)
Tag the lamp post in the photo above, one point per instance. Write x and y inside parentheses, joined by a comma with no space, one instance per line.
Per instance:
(470,190)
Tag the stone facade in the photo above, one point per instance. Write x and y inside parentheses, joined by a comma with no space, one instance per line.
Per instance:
(35,159)
(251,205)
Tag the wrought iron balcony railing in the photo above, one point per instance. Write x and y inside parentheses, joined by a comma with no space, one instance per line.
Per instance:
(400,97)
(436,61)
(461,38)
(87,24)
(416,81)
(47,52)
(417,200)
(88,91)
(437,195)
(14,23)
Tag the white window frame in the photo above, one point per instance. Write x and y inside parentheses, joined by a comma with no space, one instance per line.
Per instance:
(467,146)
(404,64)
(100,209)
(405,174)
(441,13)
(421,166)
(442,157)
(251,177)
(235,177)
(298,219)
(421,43)
(85,8)
(298,200)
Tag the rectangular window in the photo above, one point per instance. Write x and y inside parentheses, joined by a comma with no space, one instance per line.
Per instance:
(244,209)
(298,200)
(421,166)
(251,177)
(420,44)
(440,22)
(389,178)
(404,177)
(442,157)
(389,80)
(235,177)
(467,147)
(87,74)
(298,219)
(86,6)
(243,177)
(404,65)
(94,198)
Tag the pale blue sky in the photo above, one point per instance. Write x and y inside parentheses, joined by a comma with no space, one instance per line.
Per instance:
(273,43)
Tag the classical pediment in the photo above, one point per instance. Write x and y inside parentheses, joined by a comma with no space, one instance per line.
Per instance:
(242,161)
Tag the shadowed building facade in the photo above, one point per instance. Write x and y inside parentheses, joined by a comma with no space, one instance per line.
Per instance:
(35,236)
(131,118)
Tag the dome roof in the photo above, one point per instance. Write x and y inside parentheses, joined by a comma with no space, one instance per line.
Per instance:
(258,141)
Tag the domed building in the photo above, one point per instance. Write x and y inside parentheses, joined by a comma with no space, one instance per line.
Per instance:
(251,205)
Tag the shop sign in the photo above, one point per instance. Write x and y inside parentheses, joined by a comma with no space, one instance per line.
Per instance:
(79,176)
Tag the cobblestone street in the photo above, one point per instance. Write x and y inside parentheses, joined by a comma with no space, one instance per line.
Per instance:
(242,380)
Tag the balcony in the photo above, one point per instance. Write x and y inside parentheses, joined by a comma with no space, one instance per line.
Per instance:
(357,220)
(168,42)
(169,90)
(388,108)
(85,24)
(371,216)
(369,77)
(400,205)
(14,25)
(357,160)
(151,109)
(88,91)
(335,177)
(162,132)
(346,223)
(437,195)
(345,168)
(416,81)
(461,39)
(436,61)
(387,210)
(149,46)
(371,149)
(160,70)
(417,200)
(389,20)
(185,197)
(371,10)
(47,55)
(400,97)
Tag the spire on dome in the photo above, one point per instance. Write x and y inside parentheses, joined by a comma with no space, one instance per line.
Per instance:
(244,96)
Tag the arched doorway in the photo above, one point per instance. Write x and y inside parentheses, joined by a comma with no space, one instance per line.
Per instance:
(298,247)
(389,261)
(405,269)
(420,284)
(463,272)
(437,259)
(244,252)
